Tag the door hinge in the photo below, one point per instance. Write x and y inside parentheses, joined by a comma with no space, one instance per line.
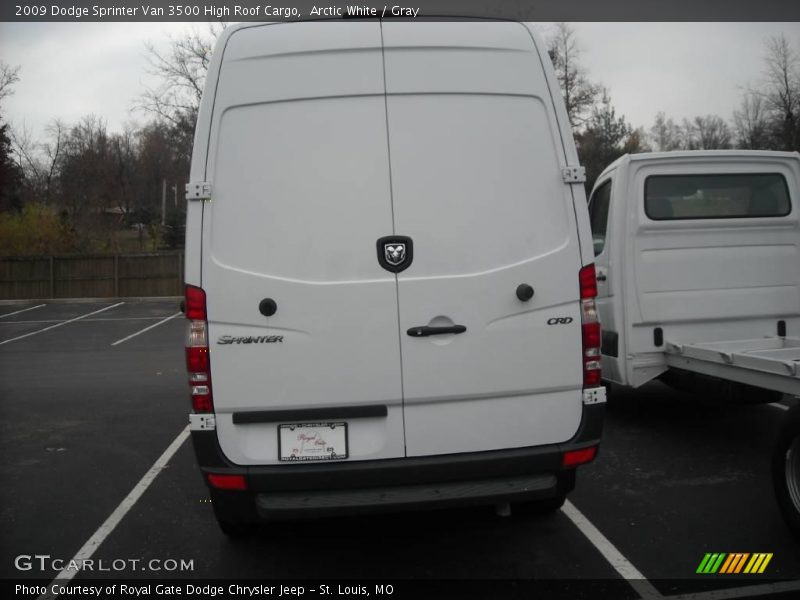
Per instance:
(573,174)
(596,395)
(201,422)
(200,190)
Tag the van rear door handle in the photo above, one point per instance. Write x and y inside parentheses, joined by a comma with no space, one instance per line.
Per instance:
(427,330)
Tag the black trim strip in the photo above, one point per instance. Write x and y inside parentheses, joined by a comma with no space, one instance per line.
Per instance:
(304,415)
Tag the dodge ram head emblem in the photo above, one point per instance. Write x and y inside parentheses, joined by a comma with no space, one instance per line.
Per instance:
(395,252)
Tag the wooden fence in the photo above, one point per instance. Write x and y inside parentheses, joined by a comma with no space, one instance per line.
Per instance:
(92,276)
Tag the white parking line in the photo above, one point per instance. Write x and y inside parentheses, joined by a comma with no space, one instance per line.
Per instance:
(91,546)
(615,558)
(100,320)
(133,335)
(19,337)
(749,591)
(779,405)
(21,311)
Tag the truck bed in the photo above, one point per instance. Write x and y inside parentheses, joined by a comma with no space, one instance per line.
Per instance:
(772,362)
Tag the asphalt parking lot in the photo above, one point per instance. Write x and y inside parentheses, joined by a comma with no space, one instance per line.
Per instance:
(95,459)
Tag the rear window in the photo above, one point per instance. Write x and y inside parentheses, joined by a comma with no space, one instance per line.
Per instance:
(721,196)
(598,215)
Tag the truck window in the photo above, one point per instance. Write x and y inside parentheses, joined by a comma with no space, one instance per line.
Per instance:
(721,196)
(598,214)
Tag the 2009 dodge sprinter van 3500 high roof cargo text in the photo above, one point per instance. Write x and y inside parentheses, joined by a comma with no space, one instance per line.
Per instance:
(390,288)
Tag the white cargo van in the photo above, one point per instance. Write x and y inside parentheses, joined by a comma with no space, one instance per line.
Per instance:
(698,268)
(389,272)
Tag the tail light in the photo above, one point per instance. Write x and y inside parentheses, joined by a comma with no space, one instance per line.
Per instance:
(590,327)
(227,482)
(573,458)
(197,362)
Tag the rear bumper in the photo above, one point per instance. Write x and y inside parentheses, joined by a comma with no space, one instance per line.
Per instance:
(513,475)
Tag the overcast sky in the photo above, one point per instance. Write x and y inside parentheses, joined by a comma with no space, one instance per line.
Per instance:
(684,69)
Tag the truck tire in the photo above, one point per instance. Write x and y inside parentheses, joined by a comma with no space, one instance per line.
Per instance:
(786,470)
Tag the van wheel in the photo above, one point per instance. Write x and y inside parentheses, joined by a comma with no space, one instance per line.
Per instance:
(235,513)
(235,530)
(540,507)
(786,470)
(566,483)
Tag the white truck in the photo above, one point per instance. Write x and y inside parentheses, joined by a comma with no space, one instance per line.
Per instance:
(698,268)
(390,288)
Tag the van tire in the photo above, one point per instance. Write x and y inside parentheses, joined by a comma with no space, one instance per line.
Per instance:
(566,483)
(786,470)
(234,530)
(235,513)
(541,507)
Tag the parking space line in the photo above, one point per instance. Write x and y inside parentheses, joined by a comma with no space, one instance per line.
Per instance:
(148,328)
(100,320)
(19,337)
(615,558)
(21,311)
(779,405)
(99,536)
(749,591)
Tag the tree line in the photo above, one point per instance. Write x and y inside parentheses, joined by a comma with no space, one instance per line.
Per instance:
(87,189)
(768,116)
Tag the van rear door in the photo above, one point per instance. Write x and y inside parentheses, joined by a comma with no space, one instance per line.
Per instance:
(299,166)
(476,180)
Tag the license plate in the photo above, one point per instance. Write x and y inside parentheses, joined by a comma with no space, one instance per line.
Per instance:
(312,441)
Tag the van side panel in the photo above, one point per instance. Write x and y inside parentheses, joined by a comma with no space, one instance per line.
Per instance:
(703,279)
(476,179)
(300,172)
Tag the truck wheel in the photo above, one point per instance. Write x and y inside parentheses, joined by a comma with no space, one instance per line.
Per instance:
(235,513)
(786,470)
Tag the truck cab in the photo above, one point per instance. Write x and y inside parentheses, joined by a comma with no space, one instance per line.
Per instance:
(698,267)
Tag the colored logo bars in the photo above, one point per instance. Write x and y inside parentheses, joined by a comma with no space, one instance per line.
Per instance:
(737,562)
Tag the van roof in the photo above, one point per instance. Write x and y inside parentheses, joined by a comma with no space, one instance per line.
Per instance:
(694,154)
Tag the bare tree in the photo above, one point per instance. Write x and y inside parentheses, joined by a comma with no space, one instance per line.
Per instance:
(124,153)
(8,77)
(711,133)
(579,93)
(751,123)
(85,168)
(41,162)
(665,134)
(181,70)
(10,174)
(781,91)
